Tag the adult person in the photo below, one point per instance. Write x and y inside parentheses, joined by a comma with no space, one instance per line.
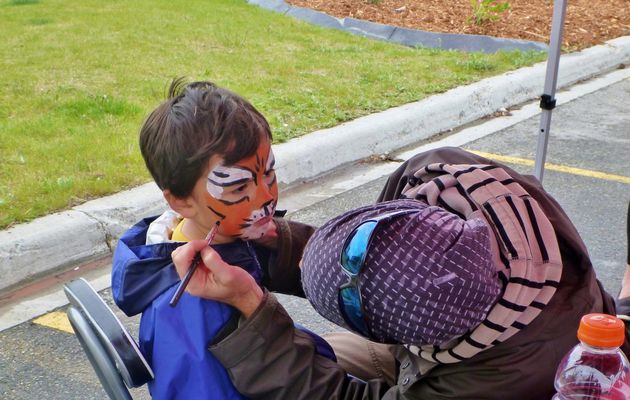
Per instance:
(623,304)
(503,281)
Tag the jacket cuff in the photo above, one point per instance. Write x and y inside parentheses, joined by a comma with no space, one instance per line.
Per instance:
(283,270)
(283,251)
(231,351)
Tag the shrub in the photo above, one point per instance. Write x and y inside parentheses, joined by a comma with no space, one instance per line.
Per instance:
(487,10)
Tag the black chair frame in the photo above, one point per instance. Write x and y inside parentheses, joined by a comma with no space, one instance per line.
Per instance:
(112,351)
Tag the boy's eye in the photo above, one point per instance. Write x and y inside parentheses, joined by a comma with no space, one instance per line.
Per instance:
(269,176)
(240,189)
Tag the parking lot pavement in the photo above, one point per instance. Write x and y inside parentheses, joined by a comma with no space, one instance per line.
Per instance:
(589,145)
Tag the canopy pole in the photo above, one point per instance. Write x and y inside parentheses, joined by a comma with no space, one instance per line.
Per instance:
(548,99)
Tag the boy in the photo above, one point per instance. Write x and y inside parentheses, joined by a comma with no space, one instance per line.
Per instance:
(209,151)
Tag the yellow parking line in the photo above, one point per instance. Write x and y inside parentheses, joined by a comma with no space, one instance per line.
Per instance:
(555,167)
(56,320)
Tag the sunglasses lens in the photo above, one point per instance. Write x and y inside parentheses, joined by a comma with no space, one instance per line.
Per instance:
(351,308)
(353,253)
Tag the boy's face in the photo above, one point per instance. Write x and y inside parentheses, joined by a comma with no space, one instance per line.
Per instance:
(243,196)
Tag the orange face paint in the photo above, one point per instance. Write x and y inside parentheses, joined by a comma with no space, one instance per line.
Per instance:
(244,195)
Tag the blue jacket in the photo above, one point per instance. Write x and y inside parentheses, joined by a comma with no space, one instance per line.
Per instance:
(175,340)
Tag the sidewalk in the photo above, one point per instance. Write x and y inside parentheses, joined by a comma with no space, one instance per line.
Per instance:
(64,240)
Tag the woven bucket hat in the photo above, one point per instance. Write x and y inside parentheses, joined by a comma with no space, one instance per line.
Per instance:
(428,275)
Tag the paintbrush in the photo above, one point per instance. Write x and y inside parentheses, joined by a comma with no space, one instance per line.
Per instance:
(193,267)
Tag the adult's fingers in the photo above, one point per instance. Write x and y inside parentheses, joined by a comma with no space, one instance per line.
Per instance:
(230,284)
(183,255)
(229,279)
(213,261)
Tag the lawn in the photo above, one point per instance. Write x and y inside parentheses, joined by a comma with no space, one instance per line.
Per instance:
(78,78)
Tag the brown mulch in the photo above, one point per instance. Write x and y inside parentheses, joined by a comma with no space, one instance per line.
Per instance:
(588,22)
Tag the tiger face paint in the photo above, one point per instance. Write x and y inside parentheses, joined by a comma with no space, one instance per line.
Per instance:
(244,196)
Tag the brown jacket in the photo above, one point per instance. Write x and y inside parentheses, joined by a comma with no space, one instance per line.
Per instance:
(268,359)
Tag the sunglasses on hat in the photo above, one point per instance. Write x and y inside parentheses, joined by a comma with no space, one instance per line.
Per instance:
(353,255)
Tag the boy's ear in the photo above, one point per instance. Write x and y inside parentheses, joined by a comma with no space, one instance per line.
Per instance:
(182,205)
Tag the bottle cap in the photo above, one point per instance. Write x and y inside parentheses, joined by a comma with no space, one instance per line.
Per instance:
(601,330)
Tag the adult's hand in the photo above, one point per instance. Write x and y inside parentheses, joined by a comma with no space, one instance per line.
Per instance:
(216,280)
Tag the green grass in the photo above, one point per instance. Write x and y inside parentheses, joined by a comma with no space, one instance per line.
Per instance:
(78,78)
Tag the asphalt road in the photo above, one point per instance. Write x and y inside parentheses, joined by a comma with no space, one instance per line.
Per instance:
(590,138)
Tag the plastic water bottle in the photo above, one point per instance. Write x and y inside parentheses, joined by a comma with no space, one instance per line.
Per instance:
(595,368)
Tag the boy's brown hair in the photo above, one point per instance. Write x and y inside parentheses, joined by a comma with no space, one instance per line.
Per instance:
(198,121)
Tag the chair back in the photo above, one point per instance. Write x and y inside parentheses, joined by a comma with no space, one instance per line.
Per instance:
(112,351)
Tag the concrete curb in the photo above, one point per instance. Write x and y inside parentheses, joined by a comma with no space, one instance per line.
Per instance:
(59,241)
(89,231)
(308,156)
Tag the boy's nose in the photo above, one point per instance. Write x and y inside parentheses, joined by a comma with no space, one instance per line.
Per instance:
(265,194)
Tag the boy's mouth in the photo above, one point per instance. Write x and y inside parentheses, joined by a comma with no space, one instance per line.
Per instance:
(263,221)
